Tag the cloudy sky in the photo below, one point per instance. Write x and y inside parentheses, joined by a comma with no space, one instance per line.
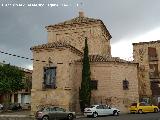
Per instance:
(128,21)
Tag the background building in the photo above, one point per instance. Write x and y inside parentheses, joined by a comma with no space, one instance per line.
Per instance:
(24,96)
(147,54)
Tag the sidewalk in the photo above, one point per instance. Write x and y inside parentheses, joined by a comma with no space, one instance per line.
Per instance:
(79,115)
(24,115)
(16,115)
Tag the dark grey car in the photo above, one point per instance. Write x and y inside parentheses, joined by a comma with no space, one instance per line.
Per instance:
(51,113)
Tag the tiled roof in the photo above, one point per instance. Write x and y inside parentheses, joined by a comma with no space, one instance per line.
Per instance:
(79,21)
(98,58)
(57,44)
(150,42)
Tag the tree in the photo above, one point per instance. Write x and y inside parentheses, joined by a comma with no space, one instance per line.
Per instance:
(85,90)
(11,79)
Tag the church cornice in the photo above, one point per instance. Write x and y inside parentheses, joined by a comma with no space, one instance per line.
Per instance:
(98,58)
(56,45)
(150,42)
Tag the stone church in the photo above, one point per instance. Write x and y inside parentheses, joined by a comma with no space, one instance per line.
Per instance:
(57,80)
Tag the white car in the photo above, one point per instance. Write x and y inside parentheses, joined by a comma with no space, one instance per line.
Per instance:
(100,110)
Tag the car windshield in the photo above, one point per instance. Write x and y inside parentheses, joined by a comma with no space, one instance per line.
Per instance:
(91,106)
(134,104)
(41,109)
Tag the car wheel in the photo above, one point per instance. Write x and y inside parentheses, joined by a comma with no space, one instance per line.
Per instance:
(70,117)
(115,113)
(95,114)
(155,110)
(140,111)
(45,118)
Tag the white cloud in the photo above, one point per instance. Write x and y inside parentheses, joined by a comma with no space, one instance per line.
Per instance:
(152,35)
(30,67)
(124,48)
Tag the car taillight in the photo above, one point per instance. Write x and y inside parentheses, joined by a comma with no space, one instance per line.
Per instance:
(39,114)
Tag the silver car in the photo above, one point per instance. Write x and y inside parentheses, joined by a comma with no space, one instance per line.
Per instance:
(52,112)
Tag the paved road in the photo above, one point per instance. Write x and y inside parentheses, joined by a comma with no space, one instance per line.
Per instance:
(21,116)
(148,116)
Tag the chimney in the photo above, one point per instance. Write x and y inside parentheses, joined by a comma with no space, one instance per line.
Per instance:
(81,14)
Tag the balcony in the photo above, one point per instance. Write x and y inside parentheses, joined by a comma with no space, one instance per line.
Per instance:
(153,58)
(154,75)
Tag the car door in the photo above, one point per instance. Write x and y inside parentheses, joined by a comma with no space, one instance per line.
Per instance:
(147,107)
(61,113)
(143,106)
(53,113)
(107,110)
(100,110)
(150,108)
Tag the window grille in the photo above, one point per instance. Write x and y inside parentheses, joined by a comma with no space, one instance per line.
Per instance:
(125,84)
(50,77)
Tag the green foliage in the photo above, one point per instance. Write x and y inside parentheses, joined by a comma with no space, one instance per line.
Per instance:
(28,83)
(85,90)
(10,79)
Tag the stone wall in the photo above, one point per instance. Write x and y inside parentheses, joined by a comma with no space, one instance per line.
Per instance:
(140,54)
(119,73)
(110,76)
(62,95)
(98,42)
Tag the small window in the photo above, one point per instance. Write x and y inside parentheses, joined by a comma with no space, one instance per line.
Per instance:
(125,84)
(50,77)
(152,52)
(94,84)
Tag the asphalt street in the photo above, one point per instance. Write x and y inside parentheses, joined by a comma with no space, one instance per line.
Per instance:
(147,116)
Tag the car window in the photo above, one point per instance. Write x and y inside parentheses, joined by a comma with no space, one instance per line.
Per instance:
(52,109)
(146,104)
(41,109)
(99,107)
(47,109)
(134,104)
(106,107)
(60,109)
(142,104)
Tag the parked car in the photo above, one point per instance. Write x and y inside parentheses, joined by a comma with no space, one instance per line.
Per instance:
(52,112)
(100,110)
(26,106)
(15,106)
(143,107)
(158,105)
(1,107)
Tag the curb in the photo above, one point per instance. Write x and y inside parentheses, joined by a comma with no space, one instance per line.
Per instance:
(16,116)
(78,117)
